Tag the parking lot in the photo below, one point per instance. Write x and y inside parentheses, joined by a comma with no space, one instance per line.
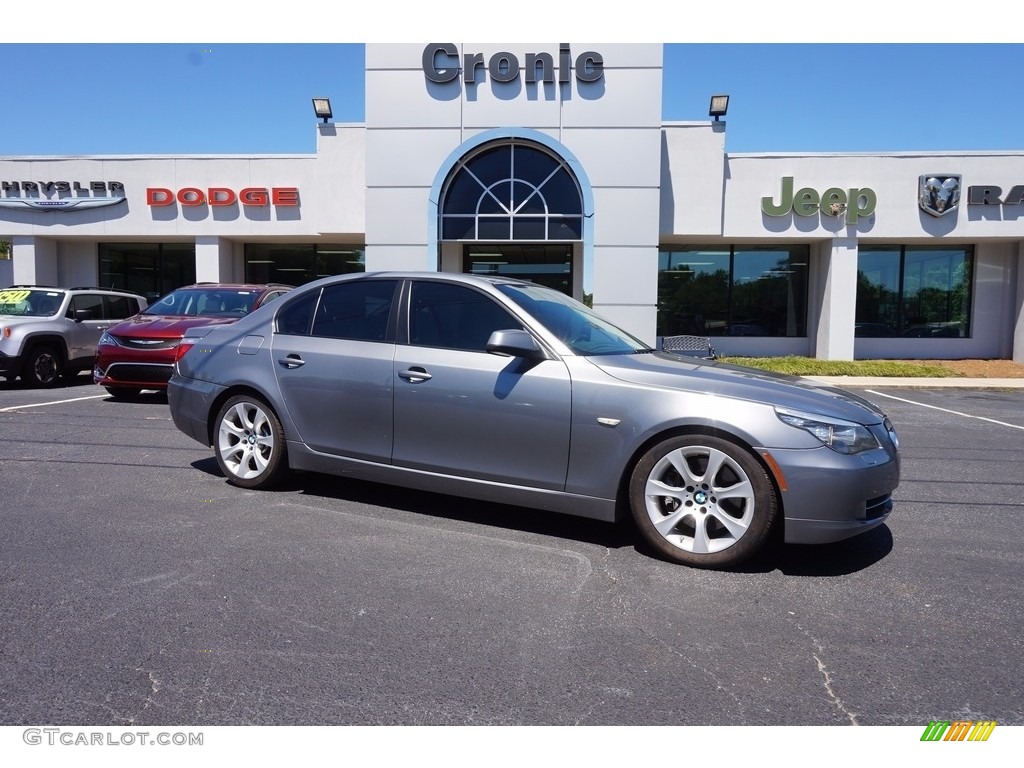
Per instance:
(138,588)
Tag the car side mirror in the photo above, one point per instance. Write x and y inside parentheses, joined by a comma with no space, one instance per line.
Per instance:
(83,314)
(516,343)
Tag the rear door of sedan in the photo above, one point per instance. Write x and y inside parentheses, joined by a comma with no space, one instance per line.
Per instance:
(460,410)
(334,361)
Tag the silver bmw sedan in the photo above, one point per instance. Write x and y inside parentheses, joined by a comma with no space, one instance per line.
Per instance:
(510,392)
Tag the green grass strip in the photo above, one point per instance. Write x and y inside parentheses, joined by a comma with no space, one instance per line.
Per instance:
(809,366)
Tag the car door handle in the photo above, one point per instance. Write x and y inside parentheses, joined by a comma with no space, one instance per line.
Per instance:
(292,361)
(415,375)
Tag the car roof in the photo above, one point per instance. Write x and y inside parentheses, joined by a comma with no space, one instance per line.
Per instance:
(453,277)
(76,288)
(234,286)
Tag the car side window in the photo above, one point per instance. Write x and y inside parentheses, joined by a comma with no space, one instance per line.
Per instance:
(271,296)
(118,307)
(455,317)
(357,310)
(89,301)
(295,317)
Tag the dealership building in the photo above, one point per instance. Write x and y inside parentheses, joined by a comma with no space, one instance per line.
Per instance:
(551,162)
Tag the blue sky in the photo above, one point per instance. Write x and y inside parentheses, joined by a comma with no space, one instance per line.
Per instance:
(214,98)
(232,77)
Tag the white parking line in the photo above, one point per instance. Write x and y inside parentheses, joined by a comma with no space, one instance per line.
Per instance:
(947,410)
(53,402)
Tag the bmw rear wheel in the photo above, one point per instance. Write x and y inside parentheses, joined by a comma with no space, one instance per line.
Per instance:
(249,442)
(702,501)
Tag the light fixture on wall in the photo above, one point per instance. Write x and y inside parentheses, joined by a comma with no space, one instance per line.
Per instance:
(322,108)
(719,106)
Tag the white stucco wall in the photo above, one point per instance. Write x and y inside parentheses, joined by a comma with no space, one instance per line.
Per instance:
(612,127)
(647,184)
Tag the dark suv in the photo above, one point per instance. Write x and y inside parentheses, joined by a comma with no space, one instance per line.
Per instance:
(139,353)
(48,332)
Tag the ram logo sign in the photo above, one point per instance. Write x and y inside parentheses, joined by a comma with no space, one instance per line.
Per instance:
(939,194)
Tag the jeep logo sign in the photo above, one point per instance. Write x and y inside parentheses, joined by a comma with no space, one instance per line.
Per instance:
(441,65)
(855,202)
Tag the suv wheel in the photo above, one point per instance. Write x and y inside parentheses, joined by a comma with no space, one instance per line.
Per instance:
(43,367)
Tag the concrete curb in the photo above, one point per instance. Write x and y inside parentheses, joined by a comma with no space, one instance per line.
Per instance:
(918,383)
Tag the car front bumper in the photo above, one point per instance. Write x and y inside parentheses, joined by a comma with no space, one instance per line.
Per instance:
(10,367)
(831,496)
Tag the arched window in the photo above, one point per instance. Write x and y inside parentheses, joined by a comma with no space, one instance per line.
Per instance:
(511,191)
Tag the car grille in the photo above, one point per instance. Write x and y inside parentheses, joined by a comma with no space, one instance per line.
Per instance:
(154,372)
(876,508)
(124,341)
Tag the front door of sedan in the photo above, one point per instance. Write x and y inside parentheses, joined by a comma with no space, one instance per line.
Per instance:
(462,411)
(334,365)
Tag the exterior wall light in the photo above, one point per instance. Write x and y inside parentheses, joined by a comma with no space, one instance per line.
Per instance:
(322,108)
(719,106)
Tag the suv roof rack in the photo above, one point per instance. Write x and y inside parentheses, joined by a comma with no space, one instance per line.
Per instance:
(101,288)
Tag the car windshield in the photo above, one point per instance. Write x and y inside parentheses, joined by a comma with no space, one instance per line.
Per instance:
(575,324)
(205,302)
(29,302)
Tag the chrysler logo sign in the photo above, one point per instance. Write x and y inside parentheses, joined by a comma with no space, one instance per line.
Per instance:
(70,195)
(77,203)
(939,194)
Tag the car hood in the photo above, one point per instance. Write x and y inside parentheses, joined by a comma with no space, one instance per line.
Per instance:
(164,326)
(659,369)
(24,319)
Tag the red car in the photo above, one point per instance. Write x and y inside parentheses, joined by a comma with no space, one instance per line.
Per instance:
(138,353)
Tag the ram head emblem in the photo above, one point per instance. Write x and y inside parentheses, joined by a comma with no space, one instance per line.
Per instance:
(939,194)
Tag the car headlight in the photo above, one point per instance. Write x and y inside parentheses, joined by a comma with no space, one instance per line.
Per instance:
(841,436)
(109,340)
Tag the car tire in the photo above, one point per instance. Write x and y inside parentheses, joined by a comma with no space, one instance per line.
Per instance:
(123,393)
(702,501)
(43,367)
(249,442)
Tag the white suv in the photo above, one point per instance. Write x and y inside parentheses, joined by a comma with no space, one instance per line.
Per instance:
(46,332)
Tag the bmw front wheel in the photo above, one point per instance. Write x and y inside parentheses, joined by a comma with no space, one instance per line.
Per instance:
(249,442)
(702,501)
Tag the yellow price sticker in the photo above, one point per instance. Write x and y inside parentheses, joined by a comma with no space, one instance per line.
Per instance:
(13,297)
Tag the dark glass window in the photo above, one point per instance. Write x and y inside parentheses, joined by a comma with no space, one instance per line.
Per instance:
(91,302)
(293,264)
(119,307)
(150,269)
(914,291)
(733,291)
(547,264)
(358,310)
(489,192)
(455,317)
(296,316)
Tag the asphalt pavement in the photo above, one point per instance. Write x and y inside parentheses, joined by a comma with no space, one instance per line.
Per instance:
(139,589)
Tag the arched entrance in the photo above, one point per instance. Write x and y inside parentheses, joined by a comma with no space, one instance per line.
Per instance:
(514,206)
